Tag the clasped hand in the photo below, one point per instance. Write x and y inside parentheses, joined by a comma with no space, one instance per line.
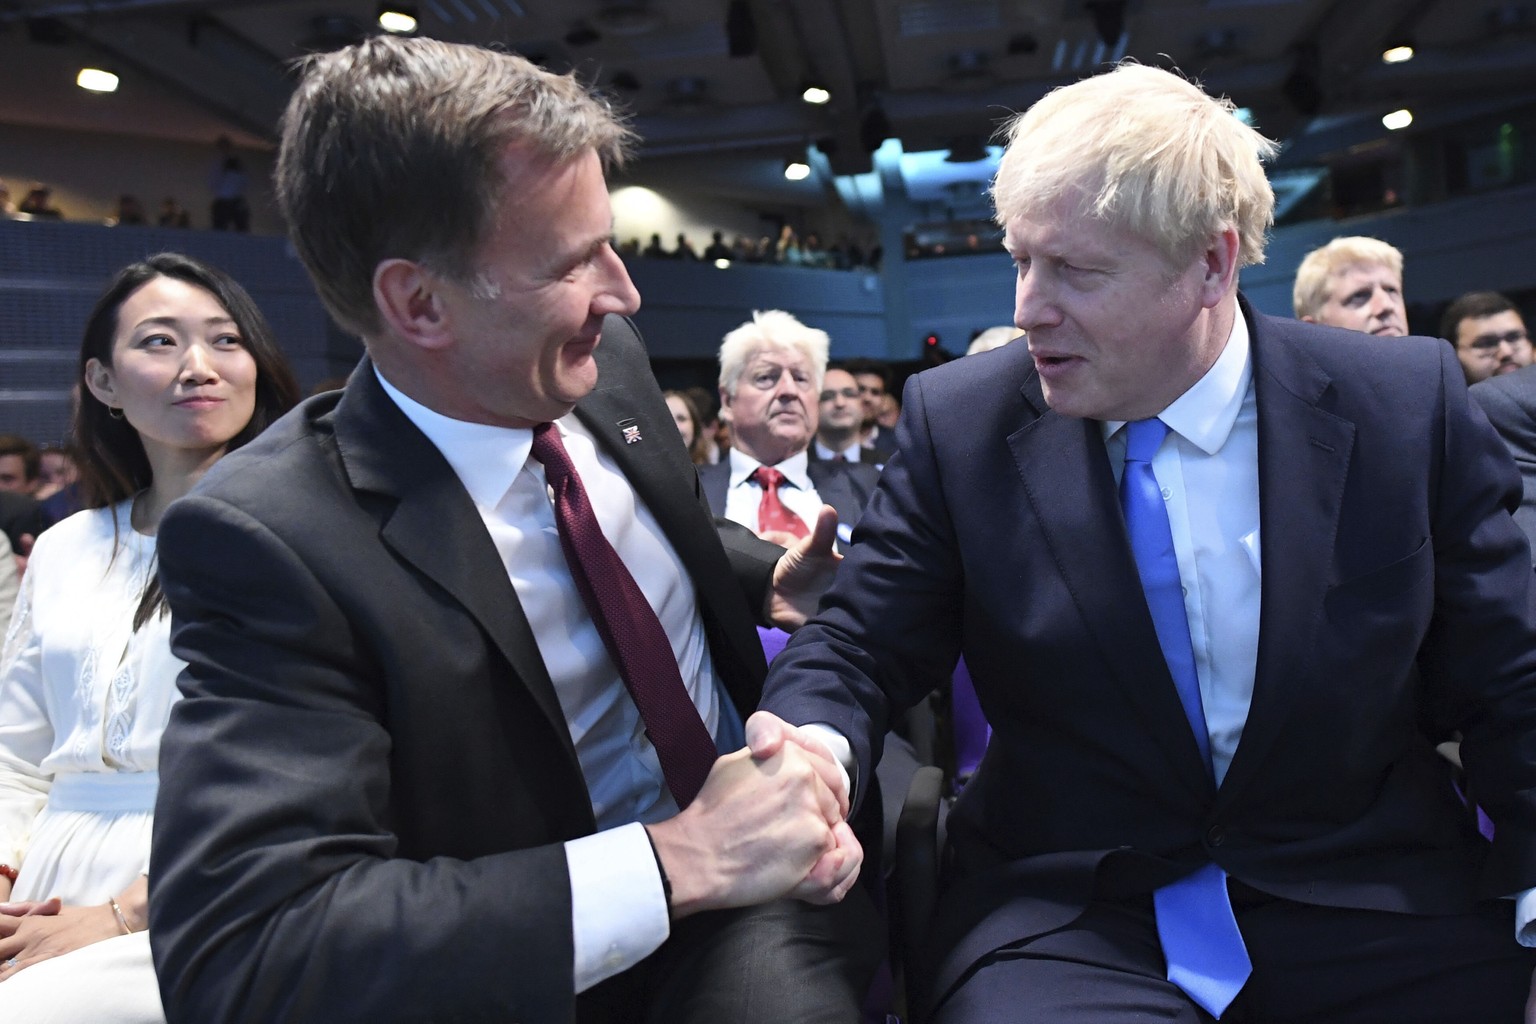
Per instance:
(769,822)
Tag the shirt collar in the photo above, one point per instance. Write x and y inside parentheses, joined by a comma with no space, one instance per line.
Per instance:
(485,458)
(793,468)
(1204,414)
(849,454)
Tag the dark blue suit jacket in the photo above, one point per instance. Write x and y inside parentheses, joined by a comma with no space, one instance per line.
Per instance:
(1396,591)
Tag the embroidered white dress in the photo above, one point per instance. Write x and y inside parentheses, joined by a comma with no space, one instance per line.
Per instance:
(83,702)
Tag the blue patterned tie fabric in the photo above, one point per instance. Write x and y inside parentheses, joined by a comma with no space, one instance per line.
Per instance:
(1201,942)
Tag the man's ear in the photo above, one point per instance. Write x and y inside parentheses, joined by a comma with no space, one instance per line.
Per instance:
(410,298)
(725,405)
(1220,265)
(1308,319)
(98,380)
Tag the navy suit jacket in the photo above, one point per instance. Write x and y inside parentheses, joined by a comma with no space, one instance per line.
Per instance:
(1396,591)
(846,486)
(1510,404)
(368,785)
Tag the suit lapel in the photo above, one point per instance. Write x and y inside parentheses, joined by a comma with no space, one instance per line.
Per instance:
(1299,440)
(434,525)
(1067,478)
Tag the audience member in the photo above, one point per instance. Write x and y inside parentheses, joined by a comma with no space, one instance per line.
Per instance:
(408,780)
(1354,282)
(7,204)
(181,368)
(227,181)
(874,379)
(654,250)
(1509,402)
(1488,334)
(1209,788)
(840,420)
(717,436)
(686,416)
(10,581)
(717,249)
(684,250)
(771,370)
(21,464)
(172,215)
(130,212)
(38,206)
(59,488)
(22,520)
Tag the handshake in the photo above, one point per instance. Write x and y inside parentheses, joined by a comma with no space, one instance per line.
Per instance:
(771,821)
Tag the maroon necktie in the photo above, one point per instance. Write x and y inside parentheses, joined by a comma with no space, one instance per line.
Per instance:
(771,513)
(629,627)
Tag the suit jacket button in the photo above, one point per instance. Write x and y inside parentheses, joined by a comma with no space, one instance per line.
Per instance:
(1215,835)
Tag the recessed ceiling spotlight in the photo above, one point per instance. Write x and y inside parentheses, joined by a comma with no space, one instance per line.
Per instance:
(96,80)
(1397,53)
(1397,120)
(397,19)
(816,94)
(797,170)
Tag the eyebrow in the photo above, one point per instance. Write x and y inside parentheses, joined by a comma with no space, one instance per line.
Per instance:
(173,321)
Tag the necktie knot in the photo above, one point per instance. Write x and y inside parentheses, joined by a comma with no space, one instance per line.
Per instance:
(1143,438)
(768,478)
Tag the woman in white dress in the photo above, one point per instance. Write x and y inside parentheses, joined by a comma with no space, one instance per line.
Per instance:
(179,367)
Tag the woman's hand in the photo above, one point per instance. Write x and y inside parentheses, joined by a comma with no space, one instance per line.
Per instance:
(48,929)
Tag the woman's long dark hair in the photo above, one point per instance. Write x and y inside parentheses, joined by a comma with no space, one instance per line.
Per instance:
(112,462)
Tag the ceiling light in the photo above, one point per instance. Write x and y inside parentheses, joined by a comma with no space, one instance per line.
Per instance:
(797,170)
(1398,53)
(400,21)
(816,94)
(722,264)
(1397,119)
(96,80)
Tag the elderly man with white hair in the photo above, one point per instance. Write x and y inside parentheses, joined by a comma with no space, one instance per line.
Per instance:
(1221,580)
(771,371)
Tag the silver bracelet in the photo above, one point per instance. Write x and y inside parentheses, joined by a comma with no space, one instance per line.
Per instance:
(117,912)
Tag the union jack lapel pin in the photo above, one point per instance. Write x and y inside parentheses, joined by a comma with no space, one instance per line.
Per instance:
(631,431)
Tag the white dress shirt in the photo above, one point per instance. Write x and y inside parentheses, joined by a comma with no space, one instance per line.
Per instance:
(619,912)
(1208,469)
(853,453)
(744,496)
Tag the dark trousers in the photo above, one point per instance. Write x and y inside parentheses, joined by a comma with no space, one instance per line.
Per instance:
(1311,965)
(778,963)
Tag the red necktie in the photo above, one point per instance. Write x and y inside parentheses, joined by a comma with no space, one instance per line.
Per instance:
(771,513)
(629,627)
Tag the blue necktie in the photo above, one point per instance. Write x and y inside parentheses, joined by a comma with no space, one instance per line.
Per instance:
(1201,943)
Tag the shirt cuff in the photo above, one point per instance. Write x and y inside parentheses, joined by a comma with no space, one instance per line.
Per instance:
(618,909)
(841,750)
(1525,917)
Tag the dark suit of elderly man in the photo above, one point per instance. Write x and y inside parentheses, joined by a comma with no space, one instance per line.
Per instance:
(1222,580)
(467,657)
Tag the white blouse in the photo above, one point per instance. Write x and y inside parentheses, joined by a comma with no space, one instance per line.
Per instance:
(80,692)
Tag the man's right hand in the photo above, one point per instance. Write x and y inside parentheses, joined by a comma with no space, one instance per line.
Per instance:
(761,828)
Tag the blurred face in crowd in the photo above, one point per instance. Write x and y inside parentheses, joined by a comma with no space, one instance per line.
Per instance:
(1365,297)
(682,418)
(180,372)
(841,408)
(871,391)
(1491,345)
(773,409)
(13,475)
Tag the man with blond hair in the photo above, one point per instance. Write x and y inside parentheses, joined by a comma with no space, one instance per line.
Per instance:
(1214,668)
(462,736)
(1354,282)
